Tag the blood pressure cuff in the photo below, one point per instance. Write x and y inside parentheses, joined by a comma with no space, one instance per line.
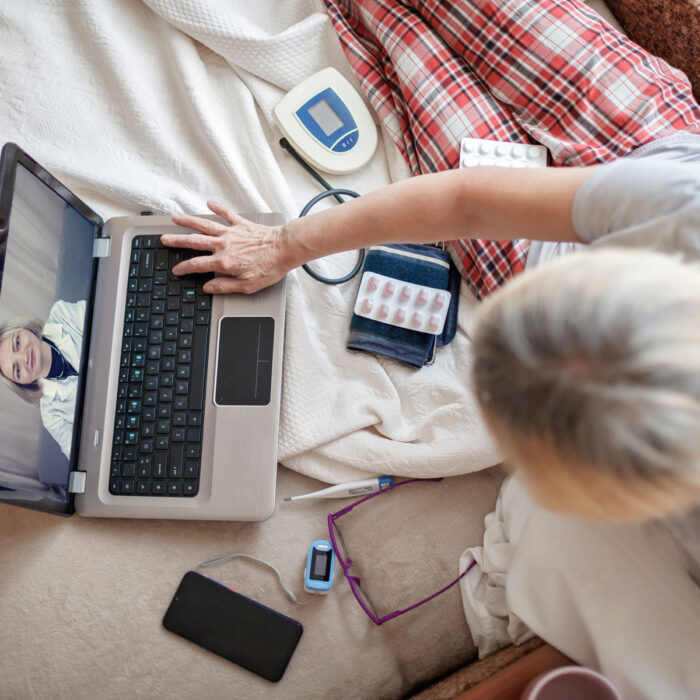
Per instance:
(420,264)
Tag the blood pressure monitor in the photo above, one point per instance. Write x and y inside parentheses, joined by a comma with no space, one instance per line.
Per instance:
(328,123)
(320,564)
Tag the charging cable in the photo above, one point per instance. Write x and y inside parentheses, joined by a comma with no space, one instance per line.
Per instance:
(331,191)
(226,557)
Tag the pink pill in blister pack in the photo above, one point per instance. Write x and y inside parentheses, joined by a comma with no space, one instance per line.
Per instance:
(402,304)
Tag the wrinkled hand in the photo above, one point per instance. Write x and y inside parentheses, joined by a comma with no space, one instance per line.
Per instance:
(248,255)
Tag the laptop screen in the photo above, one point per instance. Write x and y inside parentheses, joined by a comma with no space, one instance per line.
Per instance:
(46,287)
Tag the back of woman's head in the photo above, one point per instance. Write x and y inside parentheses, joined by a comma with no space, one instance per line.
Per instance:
(588,371)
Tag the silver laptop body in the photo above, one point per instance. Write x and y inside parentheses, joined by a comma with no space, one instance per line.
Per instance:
(239,442)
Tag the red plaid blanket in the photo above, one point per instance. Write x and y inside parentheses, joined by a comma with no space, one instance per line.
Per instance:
(531,71)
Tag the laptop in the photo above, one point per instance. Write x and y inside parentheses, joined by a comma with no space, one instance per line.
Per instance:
(127,391)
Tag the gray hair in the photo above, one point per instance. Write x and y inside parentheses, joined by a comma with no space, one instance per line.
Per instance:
(598,354)
(29,392)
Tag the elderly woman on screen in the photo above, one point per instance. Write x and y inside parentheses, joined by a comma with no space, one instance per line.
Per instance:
(41,362)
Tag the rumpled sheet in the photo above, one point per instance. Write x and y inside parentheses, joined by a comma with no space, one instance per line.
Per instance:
(162,104)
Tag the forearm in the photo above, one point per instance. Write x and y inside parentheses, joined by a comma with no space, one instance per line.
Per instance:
(493,203)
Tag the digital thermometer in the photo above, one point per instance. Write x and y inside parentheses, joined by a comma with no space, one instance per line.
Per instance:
(320,563)
(328,123)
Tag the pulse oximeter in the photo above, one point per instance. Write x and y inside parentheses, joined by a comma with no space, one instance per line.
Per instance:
(320,564)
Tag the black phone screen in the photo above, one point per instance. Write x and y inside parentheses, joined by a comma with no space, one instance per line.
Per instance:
(229,624)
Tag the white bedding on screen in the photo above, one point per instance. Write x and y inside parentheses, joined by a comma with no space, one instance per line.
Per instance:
(162,104)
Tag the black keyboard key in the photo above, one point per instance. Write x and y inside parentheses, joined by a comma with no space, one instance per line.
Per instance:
(190,488)
(191,469)
(162,260)
(151,383)
(126,486)
(194,419)
(185,340)
(129,469)
(160,465)
(143,468)
(197,383)
(177,456)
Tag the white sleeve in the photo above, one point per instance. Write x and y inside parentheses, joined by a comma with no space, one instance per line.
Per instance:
(642,202)
(617,598)
(60,429)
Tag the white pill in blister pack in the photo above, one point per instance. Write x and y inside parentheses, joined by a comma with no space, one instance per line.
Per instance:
(402,304)
(501,153)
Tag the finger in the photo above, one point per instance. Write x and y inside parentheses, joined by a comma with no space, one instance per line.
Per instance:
(201,263)
(211,228)
(196,241)
(223,285)
(226,213)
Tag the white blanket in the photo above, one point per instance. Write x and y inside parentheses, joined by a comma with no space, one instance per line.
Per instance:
(162,104)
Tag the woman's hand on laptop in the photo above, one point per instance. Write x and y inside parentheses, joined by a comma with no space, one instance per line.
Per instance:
(249,256)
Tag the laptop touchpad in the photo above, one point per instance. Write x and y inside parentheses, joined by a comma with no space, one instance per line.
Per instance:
(244,362)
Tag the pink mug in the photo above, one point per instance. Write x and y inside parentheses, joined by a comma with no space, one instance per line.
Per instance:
(570,683)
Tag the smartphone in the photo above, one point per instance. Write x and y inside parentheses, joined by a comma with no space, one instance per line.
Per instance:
(229,624)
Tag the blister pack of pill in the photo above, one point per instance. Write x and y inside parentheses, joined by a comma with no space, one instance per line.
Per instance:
(402,304)
(501,153)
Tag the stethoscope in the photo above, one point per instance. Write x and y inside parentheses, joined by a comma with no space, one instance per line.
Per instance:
(330,192)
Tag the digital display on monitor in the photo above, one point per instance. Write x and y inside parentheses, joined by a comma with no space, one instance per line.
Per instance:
(320,565)
(45,288)
(325,117)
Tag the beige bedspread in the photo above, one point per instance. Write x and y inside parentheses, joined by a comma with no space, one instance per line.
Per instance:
(81,600)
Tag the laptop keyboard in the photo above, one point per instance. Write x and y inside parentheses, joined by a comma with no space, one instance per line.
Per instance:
(162,378)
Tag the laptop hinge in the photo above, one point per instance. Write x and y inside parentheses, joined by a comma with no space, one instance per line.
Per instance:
(76,482)
(101,247)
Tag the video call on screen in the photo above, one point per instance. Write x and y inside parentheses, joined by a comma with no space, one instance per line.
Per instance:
(46,281)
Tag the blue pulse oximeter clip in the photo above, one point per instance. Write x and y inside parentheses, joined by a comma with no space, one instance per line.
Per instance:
(320,565)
